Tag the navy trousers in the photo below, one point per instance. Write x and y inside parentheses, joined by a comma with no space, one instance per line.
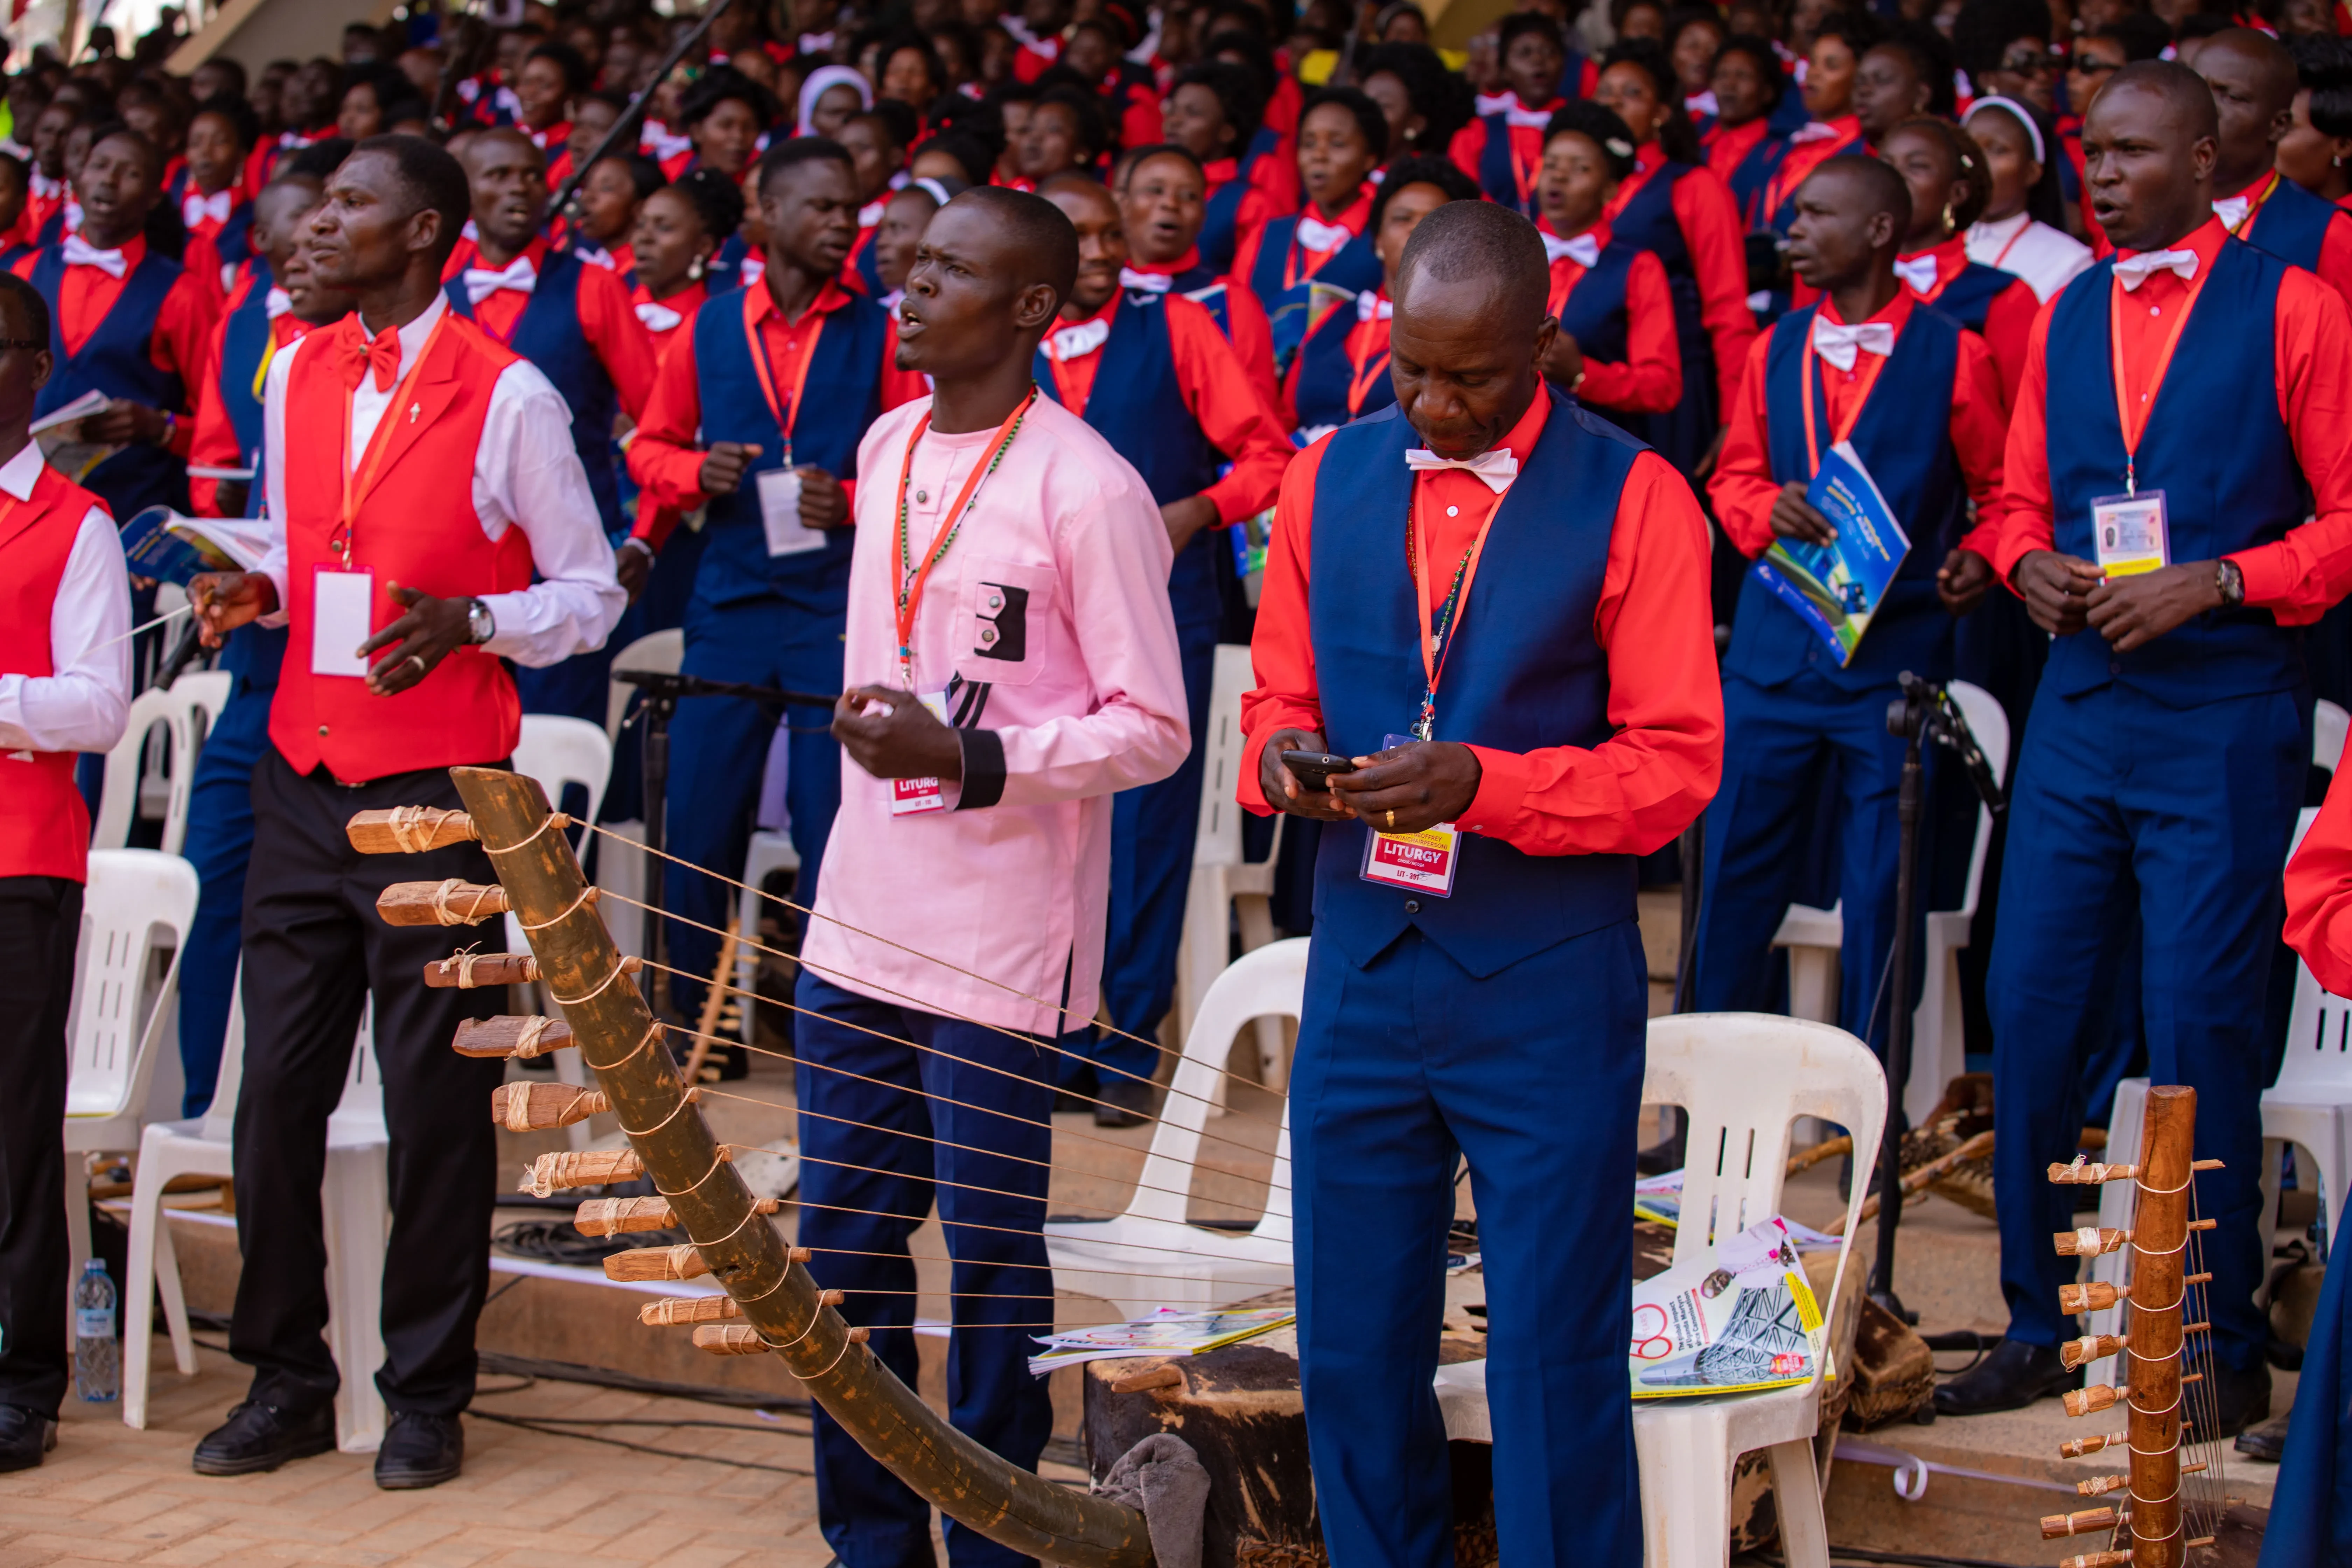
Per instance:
(1778,743)
(1152,834)
(875,1149)
(1403,1067)
(716,747)
(219,846)
(2311,1512)
(2194,807)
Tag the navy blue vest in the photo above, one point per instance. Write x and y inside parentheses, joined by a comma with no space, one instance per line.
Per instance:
(1751,176)
(1496,175)
(1525,672)
(1220,228)
(1139,406)
(2293,225)
(1209,293)
(253,652)
(1968,297)
(1904,438)
(547,334)
(1323,371)
(1595,312)
(2217,448)
(1355,268)
(843,398)
(117,360)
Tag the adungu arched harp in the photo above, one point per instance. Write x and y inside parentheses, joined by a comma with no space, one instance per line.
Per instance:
(771,1303)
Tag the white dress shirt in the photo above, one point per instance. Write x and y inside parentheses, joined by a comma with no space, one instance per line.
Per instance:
(84,704)
(2045,257)
(526,475)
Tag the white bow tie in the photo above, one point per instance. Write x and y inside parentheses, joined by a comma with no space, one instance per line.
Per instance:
(2134,271)
(1487,103)
(1812,130)
(1369,305)
(1317,234)
(595,255)
(196,206)
(1584,250)
(1077,342)
(277,302)
(1145,282)
(1516,113)
(871,212)
(1842,345)
(815,43)
(80,252)
(44,187)
(658,317)
(658,142)
(2232,210)
(1496,465)
(1916,271)
(481,283)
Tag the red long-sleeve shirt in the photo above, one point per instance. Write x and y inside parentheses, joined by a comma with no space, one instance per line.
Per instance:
(215,444)
(1273,188)
(666,458)
(608,319)
(1468,150)
(1744,488)
(1709,220)
(1649,380)
(180,340)
(1814,143)
(1251,333)
(1220,394)
(2319,893)
(2296,578)
(2009,321)
(1629,795)
(1727,145)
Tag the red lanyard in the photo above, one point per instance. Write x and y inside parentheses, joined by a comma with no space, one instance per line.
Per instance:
(2130,427)
(912,579)
(380,443)
(1362,368)
(1813,383)
(765,369)
(1435,647)
(1523,172)
(1291,276)
(2254,207)
(2013,243)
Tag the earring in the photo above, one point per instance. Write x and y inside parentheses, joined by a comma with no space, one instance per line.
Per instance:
(694,269)
(1950,211)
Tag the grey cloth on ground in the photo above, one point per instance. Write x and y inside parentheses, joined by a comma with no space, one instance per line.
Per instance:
(1164,1477)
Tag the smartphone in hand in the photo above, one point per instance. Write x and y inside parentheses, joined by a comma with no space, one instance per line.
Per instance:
(1314,769)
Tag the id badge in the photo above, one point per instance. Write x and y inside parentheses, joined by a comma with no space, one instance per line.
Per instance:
(1422,862)
(915,797)
(2129,534)
(342,604)
(779,514)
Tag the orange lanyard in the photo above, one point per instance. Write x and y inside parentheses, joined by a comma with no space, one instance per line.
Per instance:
(1523,171)
(2013,243)
(1813,383)
(1435,646)
(913,579)
(1362,368)
(2254,207)
(765,369)
(379,444)
(2130,427)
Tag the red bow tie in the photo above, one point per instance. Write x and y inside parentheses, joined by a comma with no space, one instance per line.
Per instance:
(381,354)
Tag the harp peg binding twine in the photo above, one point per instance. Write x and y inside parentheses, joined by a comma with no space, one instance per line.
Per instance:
(518,1036)
(2086,1522)
(451,901)
(581,1168)
(616,1216)
(2085,1171)
(538,1107)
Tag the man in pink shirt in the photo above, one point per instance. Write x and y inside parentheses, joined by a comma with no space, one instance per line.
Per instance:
(1010,664)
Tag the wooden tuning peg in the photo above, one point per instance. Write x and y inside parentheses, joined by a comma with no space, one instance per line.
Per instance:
(2090,1348)
(640,1264)
(581,1168)
(2081,1448)
(730,1338)
(2088,1401)
(2085,1172)
(2096,1559)
(2088,1521)
(473,971)
(519,1036)
(617,1216)
(2090,1241)
(414,829)
(448,902)
(536,1107)
(678,1311)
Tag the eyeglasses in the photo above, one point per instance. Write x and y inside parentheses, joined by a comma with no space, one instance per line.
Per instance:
(2083,65)
(2029,64)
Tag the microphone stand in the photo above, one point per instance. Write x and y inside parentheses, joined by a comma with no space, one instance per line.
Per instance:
(626,126)
(1924,711)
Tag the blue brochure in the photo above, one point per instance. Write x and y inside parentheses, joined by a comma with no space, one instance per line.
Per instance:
(1836,588)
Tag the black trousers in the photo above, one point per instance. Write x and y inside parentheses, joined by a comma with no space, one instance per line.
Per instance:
(40,926)
(314,949)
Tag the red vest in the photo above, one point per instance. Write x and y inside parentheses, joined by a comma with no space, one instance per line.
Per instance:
(44,825)
(415,527)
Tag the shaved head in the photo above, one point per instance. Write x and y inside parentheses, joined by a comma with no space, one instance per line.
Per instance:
(1872,183)
(2180,90)
(2252,80)
(1481,243)
(2272,68)
(1042,239)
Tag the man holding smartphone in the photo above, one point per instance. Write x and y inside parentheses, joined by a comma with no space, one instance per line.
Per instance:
(1518,730)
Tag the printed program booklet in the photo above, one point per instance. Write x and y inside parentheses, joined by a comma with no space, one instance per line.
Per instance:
(1744,1321)
(1836,588)
(1166,1332)
(161,543)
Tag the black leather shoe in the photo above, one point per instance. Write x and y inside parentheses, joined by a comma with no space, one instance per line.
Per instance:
(2013,1377)
(25,1437)
(2242,1399)
(1123,1101)
(2266,1442)
(258,1438)
(420,1451)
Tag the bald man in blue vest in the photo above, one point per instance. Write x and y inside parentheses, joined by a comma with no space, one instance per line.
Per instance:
(1494,603)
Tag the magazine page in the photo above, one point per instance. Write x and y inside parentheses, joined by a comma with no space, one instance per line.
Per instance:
(1836,588)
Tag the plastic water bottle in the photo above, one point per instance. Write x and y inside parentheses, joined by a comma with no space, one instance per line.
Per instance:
(98,1354)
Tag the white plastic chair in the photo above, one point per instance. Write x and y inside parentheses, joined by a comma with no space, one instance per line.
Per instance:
(1745,1078)
(119,802)
(1206,1268)
(355,1201)
(770,851)
(2311,1104)
(620,855)
(557,751)
(1222,882)
(1814,937)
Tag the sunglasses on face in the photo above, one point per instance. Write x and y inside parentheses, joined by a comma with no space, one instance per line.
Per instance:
(2029,64)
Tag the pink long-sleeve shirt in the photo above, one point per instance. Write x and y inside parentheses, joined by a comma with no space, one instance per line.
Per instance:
(980,910)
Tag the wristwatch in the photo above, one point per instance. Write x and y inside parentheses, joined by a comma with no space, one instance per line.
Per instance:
(2230,583)
(481,625)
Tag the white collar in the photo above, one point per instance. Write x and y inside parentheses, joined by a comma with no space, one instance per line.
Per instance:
(412,338)
(19,473)
(2003,228)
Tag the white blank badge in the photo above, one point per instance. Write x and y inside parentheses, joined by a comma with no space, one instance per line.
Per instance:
(342,604)
(779,514)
